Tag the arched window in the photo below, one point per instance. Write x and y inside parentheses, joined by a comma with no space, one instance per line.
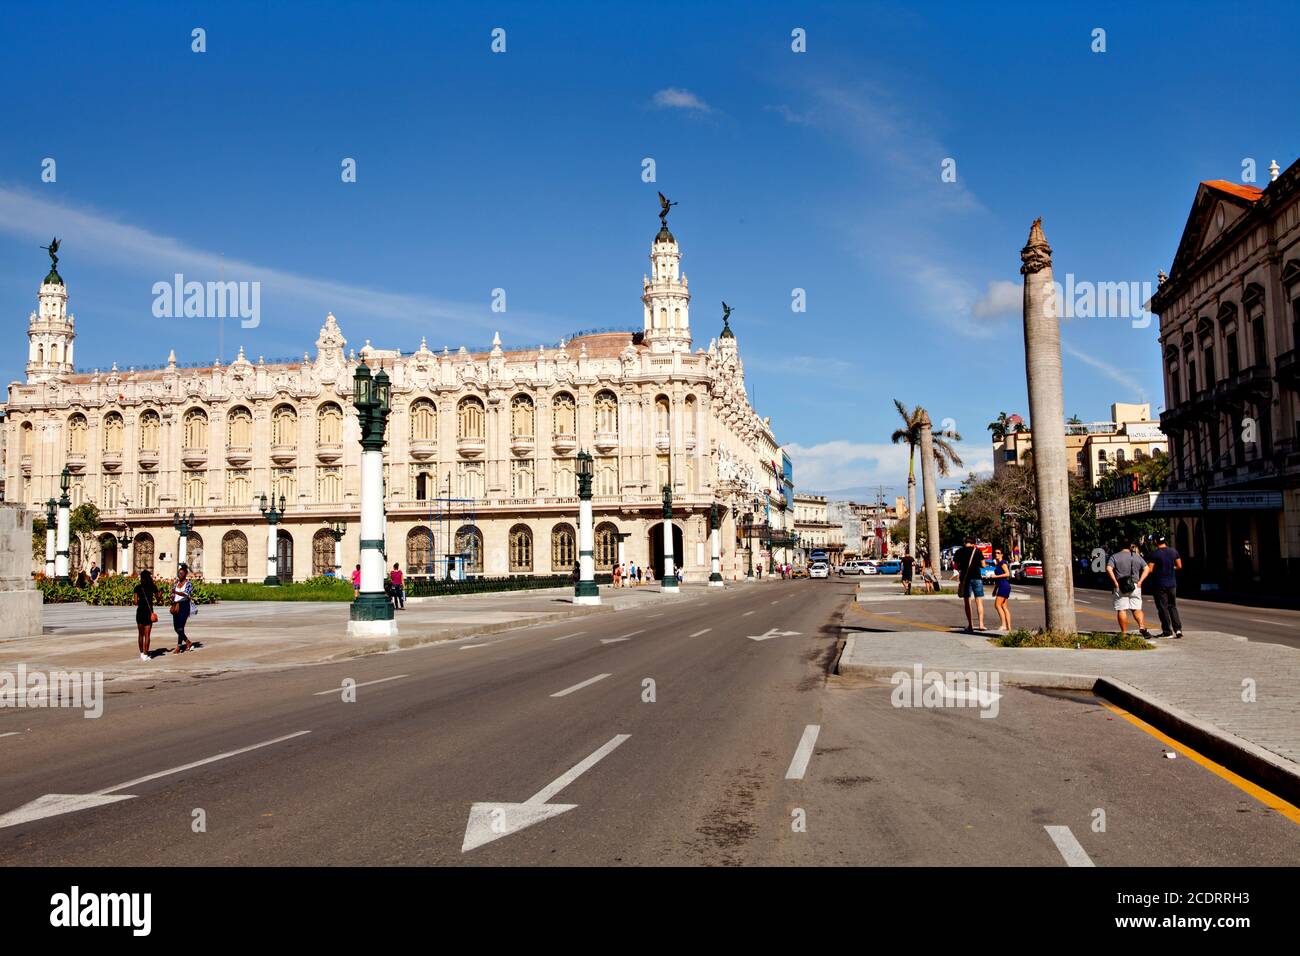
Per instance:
(521,416)
(196,428)
(521,548)
(564,414)
(25,439)
(239,487)
(607,475)
(239,427)
(112,492)
(77,428)
(329,424)
(689,415)
(606,546)
(424,421)
(469,542)
(606,412)
(142,553)
(329,484)
(113,427)
(284,426)
(150,430)
(322,552)
(419,551)
(1119,456)
(194,489)
(194,553)
(564,550)
(234,555)
(469,418)
(663,411)
(566,479)
(148,493)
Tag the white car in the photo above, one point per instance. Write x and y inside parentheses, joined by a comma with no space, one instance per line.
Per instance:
(857,567)
(819,570)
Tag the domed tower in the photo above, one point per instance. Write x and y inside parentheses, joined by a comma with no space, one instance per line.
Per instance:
(50,330)
(665,294)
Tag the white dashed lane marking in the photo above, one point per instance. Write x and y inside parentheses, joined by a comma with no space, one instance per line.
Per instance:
(1071,851)
(587,683)
(803,753)
(339,690)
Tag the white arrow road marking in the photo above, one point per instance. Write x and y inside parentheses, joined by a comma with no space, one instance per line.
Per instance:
(587,683)
(339,690)
(771,634)
(53,804)
(567,636)
(613,640)
(705,631)
(1070,849)
(492,821)
(981,696)
(632,634)
(803,753)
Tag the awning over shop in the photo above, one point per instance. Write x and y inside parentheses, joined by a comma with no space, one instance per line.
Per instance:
(1188,503)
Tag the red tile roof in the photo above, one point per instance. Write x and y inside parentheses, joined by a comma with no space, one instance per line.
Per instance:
(1249,193)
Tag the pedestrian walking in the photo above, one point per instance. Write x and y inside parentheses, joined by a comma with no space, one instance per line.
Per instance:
(1127,570)
(909,565)
(182,607)
(146,596)
(1002,588)
(929,577)
(1162,567)
(968,561)
(356,581)
(399,587)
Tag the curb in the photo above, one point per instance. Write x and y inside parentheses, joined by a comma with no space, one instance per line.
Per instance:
(1251,761)
(1248,760)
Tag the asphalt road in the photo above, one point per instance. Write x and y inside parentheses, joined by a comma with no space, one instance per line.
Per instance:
(680,741)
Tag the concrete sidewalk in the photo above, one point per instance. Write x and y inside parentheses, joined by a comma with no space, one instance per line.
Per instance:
(1193,689)
(249,635)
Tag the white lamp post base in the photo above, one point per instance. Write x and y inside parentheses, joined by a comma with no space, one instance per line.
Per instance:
(717,584)
(587,599)
(372,628)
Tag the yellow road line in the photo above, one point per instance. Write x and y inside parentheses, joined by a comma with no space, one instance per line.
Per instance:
(1270,800)
(891,618)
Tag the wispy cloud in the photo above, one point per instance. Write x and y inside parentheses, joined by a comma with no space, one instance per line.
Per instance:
(1001,298)
(912,207)
(1119,376)
(834,465)
(155,256)
(675,98)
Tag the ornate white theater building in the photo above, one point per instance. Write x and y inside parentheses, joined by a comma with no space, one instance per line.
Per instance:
(480,459)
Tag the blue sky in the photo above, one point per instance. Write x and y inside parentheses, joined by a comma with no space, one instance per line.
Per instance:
(522,171)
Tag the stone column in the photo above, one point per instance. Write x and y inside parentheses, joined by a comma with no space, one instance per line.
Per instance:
(51,529)
(715,559)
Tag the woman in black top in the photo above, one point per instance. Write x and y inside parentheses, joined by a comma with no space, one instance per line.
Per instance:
(146,593)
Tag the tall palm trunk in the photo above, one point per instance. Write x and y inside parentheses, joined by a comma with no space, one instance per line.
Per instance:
(1047,423)
(911,500)
(929,476)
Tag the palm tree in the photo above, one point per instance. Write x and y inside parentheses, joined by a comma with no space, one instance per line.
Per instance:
(911,434)
(1005,425)
(1047,412)
(944,456)
(937,454)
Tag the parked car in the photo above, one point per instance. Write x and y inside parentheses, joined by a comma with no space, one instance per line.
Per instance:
(819,571)
(1032,571)
(799,572)
(890,566)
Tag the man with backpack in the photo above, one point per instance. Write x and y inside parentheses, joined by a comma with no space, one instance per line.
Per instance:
(1127,570)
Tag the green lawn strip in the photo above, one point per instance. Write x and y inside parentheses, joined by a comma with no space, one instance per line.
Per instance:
(1091,640)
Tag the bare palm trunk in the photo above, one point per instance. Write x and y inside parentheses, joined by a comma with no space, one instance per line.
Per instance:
(911,502)
(1047,423)
(929,477)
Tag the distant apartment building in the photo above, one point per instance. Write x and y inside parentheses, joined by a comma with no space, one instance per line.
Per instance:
(947,498)
(815,529)
(1093,448)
